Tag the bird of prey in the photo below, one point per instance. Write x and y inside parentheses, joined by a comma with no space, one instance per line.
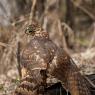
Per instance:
(42,53)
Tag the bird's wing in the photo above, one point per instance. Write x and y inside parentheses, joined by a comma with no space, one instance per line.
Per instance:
(66,71)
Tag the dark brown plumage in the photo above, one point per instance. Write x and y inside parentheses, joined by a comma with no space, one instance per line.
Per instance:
(41,51)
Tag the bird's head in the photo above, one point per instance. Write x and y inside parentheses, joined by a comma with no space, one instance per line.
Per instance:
(33,29)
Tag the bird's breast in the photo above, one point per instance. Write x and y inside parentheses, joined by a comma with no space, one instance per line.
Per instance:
(38,54)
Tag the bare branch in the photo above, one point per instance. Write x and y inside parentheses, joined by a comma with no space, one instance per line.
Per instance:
(32,10)
(93,36)
(3,44)
(84,10)
(18,60)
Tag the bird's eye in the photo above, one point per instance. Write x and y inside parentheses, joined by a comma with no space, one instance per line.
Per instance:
(29,31)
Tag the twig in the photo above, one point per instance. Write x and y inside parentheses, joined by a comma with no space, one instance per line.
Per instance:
(89,81)
(93,36)
(32,11)
(60,29)
(66,26)
(63,38)
(22,19)
(18,60)
(69,31)
(84,10)
(4,44)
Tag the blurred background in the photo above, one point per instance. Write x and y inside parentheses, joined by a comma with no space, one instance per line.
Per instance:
(70,23)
